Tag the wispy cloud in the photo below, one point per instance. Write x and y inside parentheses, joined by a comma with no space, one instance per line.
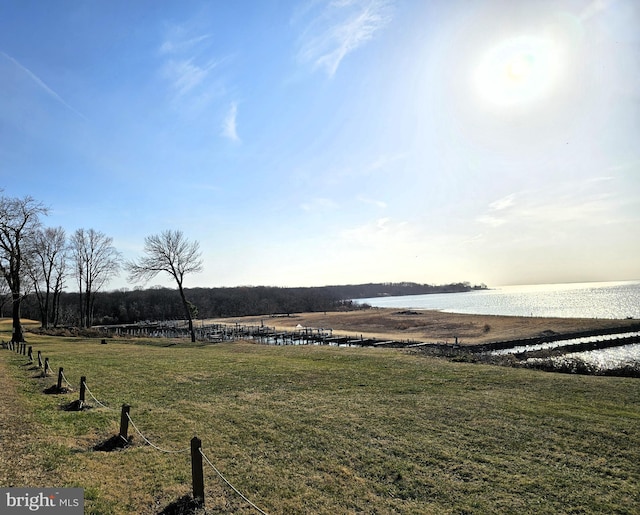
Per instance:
(185,75)
(230,125)
(178,42)
(42,85)
(338,28)
(503,203)
(381,232)
(385,161)
(188,67)
(378,203)
(584,205)
(498,212)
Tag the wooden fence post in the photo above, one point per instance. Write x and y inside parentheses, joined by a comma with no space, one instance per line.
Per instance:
(46,366)
(39,359)
(83,389)
(30,354)
(59,385)
(124,422)
(197,474)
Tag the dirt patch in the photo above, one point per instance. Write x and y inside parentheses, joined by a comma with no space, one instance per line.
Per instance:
(429,326)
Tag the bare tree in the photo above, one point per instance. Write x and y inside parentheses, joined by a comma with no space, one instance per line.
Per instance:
(95,261)
(5,295)
(47,268)
(19,219)
(169,252)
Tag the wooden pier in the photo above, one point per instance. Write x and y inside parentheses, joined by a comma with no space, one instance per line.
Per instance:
(215,333)
(264,334)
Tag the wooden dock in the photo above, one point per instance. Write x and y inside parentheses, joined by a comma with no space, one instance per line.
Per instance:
(264,334)
(214,333)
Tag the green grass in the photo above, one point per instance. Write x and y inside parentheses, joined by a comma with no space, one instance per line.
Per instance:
(336,430)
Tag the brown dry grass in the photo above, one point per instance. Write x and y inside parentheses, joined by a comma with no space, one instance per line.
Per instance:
(428,326)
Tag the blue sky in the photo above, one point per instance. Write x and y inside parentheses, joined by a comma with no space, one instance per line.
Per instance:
(332,142)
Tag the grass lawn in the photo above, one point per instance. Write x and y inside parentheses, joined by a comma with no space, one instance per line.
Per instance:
(323,430)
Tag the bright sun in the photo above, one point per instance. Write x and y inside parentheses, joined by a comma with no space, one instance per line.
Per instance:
(517,71)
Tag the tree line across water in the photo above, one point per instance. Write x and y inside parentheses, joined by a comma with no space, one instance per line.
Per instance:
(37,263)
(159,303)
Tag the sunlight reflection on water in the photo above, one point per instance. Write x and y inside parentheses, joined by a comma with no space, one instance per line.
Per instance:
(578,300)
(602,359)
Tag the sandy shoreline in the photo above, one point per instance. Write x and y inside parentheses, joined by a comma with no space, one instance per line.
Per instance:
(427,325)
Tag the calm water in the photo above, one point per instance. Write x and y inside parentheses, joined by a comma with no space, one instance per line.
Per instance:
(581,300)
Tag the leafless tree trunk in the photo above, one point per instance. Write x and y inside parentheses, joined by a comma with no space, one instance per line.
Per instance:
(47,268)
(96,261)
(19,219)
(169,252)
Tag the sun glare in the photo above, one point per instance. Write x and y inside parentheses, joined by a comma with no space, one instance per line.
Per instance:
(517,71)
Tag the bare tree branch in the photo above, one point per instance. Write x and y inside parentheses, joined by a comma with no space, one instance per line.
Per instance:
(19,219)
(96,261)
(170,252)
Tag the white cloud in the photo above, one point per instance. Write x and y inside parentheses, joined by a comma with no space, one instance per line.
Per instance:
(339,29)
(230,125)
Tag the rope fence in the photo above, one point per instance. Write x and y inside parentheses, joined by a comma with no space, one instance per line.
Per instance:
(197,455)
(180,451)
(94,397)
(66,380)
(229,484)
